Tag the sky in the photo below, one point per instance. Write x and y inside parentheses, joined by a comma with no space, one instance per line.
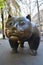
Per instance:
(35,8)
(25,9)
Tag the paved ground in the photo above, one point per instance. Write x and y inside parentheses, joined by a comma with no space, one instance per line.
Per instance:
(7,57)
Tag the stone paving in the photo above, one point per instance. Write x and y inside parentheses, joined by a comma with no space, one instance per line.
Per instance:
(8,57)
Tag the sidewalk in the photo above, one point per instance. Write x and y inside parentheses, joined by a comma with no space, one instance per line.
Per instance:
(41,38)
(8,57)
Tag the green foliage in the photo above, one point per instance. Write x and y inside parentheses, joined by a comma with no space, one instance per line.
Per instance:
(2,3)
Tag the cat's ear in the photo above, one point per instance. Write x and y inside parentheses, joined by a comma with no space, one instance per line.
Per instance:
(9,16)
(28,17)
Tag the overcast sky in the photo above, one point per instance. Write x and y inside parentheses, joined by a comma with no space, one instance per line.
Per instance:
(25,8)
(34,7)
